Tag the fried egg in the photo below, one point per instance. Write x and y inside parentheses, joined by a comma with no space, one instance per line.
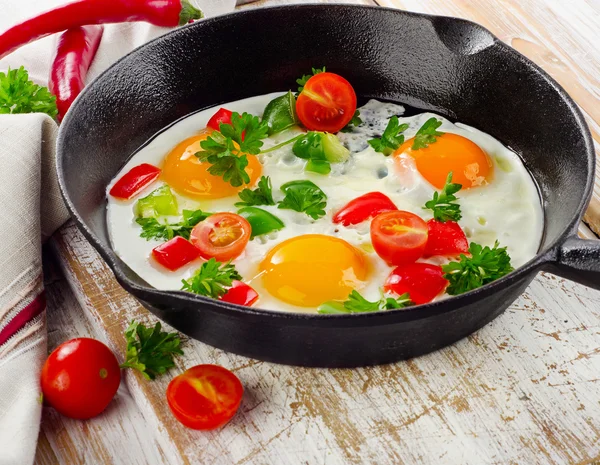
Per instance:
(312,261)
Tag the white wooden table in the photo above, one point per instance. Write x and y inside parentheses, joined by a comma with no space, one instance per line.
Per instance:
(523,390)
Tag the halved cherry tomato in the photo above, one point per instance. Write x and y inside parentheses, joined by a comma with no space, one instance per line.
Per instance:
(399,237)
(222,116)
(80,378)
(222,236)
(175,253)
(134,181)
(205,397)
(240,293)
(422,281)
(327,103)
(445,239)
(364,207)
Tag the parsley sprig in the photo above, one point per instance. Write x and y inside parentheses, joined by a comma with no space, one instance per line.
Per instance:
(304,196)
(354,122)
(443,203)
(483,266)
(212,279)
(262,195)
(20,95)
(392,137)
(356,303)
(152,228)
(150,350)
(304,79)
(427,134)
(226,149)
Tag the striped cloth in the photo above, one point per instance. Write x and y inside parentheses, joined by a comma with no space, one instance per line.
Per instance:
(30,211)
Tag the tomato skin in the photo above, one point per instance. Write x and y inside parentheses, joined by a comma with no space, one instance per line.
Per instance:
(399,237)
(327,103)
(205,397)
(80,378)
(222,236)
(136,179)
(240,293)
(422,281)
(445,239)
(175,253)
(222,116)
(364,207)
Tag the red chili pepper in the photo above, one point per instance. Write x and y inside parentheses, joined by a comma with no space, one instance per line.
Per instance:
(364,207)
(222,116)
(445,239)
(175,253)
(134,181)
(422,281)
(240,293)
(165,13)
(75,52)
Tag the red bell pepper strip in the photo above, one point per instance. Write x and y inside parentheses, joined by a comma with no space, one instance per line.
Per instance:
(422,281)
(240,293)
(175,253)
(222,116)
(364,207)
(445,239)
(75,52)
(165,13)
(134,181)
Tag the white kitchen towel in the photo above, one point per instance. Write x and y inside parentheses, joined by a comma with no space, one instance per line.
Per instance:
(31,209)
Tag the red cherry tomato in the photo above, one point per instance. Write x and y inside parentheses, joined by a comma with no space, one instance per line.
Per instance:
(205,397)
(222,116)
(327,103)
(175,253)
(445,239)
(80,378)
(399,237)
(364,207)
(422,281)
(134,181)
(222,236)
(240,293)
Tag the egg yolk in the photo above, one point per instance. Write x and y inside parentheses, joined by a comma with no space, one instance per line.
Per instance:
(189,176)
(311,269)
(469,164)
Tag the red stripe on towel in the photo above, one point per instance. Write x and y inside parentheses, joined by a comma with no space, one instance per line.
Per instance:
(35,307)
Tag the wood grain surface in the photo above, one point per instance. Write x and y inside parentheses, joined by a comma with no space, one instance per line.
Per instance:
(523,390)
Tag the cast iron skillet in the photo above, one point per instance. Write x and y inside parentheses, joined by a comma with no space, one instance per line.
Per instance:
(445,65)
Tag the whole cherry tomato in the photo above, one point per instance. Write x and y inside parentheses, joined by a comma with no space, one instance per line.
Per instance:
(205,397)
(80,378)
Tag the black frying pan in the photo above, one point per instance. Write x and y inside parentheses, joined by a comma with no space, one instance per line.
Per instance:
(445,65)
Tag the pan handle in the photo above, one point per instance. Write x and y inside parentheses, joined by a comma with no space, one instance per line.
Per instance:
(579,260)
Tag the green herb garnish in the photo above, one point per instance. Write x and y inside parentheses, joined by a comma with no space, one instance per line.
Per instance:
(443,206)
(354,122)
(482,267)
(152,228)
(20,95)
(150,350)
(392,137)
(304,196)
(356,303)
(428,134)
(304,79)
(262,195)
(212,279)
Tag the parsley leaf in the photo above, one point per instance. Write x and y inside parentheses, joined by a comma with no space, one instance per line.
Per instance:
(442,203)
(354,122)
(428,134)
(20,95)
(392,137)
(356,303)
(482,267)
(154,229)
(211,279)
(222,148)
(304,196)
(262,195)
(304,79)
(150,350)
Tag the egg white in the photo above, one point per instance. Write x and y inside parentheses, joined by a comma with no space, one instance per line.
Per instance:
(508,209)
